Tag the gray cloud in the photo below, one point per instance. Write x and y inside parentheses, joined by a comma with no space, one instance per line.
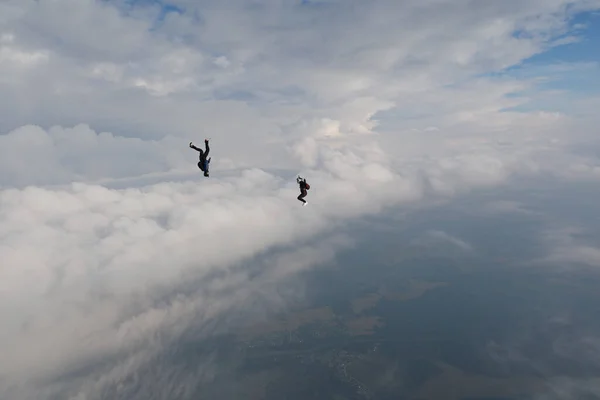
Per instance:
(570,246)
(436,237)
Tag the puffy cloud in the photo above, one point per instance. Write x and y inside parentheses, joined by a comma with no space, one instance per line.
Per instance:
(88,264)
(78,261)
(32,156)
(397,55)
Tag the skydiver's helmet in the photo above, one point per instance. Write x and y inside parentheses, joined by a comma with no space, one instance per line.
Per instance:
(299,179)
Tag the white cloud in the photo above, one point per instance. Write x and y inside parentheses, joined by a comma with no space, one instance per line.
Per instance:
(75,260)
(84,262)
(569,246)
(99,98)
(80,258)
(507,207)
(436,237)
(396,55)
(32,156)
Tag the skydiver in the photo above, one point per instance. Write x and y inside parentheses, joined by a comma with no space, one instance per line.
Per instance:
(203,164)
(304,187)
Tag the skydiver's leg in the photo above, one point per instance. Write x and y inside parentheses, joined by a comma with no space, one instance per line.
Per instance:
(301,196)
(207,148)
(201,153)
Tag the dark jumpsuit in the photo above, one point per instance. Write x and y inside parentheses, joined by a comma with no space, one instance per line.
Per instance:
(303,191)
(203,163)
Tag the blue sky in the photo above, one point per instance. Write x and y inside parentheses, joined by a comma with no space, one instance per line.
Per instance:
(564,75)
(163,8)
(573,69)
(587,27)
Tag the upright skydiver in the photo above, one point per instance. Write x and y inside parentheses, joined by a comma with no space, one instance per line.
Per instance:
(304,187)
(203,164)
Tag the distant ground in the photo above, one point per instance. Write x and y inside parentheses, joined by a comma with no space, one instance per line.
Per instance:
(426,340)
(412,315)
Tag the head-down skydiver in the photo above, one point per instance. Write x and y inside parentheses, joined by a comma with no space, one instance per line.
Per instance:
(203,164)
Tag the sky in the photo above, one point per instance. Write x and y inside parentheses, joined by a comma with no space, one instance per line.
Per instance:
(378,104)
